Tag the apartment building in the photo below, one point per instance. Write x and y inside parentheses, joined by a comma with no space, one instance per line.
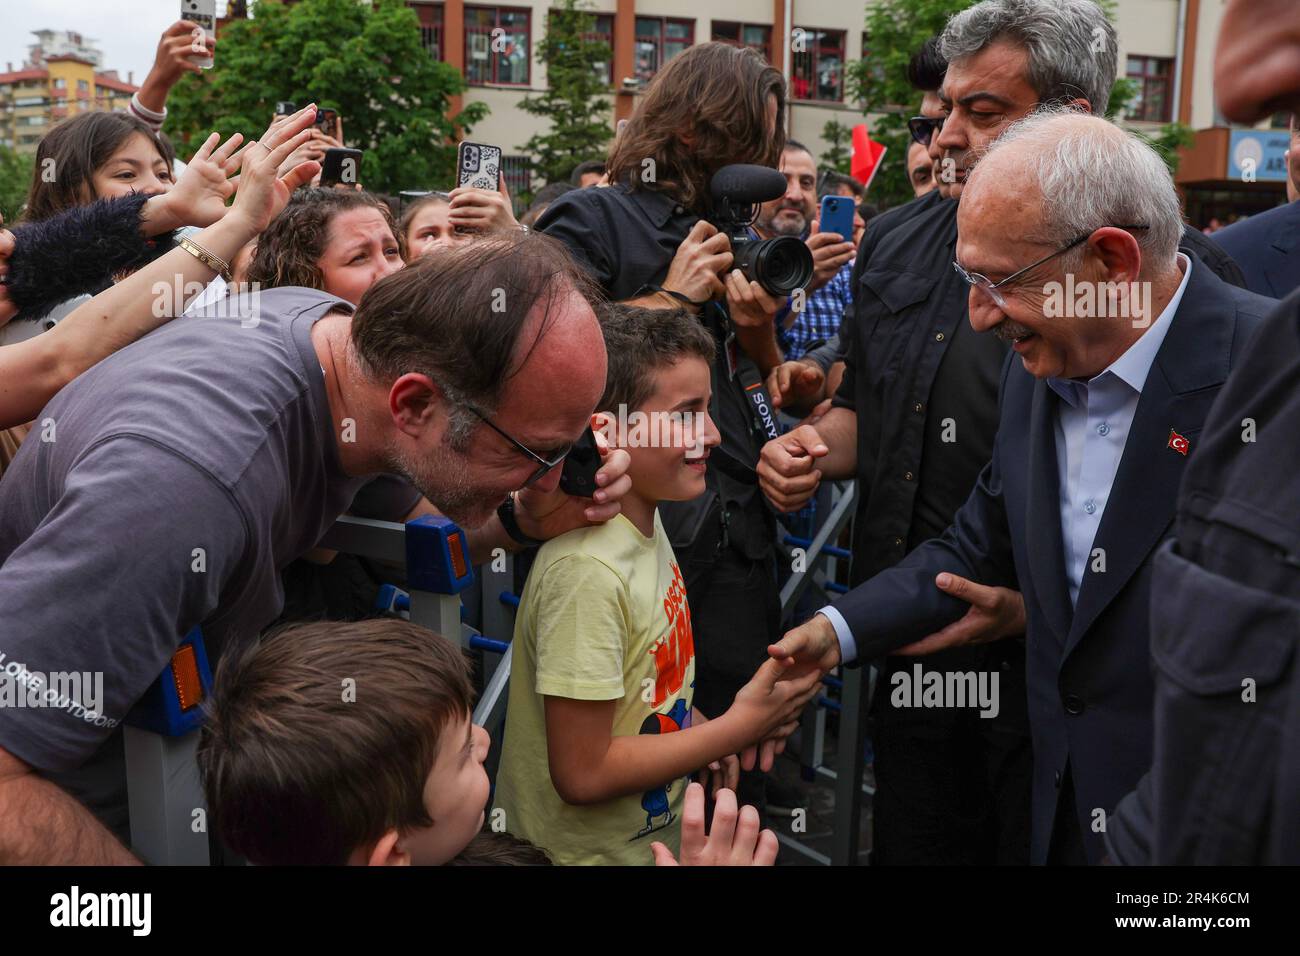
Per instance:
(61,78)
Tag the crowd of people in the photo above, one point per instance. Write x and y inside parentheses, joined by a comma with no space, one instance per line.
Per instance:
(1068,414)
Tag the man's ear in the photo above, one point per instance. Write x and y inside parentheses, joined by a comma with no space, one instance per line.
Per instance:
(413,398)
(387,852)
(1119,253)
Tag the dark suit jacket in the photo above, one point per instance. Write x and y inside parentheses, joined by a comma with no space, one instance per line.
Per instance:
(1088,669)
(1267,247)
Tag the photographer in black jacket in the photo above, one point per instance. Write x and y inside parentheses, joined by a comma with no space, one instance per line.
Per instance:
(646,239)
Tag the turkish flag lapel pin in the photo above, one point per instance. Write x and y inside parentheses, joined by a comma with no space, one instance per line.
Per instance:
(1178,443)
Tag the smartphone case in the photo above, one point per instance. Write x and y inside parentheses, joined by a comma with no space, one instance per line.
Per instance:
(479,166)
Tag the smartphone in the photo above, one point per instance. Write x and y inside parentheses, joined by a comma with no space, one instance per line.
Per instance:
(408,196)
(285,108)
(478,165)
(327,121)
(837,215)
(340,165)
(578,474)
(204,13)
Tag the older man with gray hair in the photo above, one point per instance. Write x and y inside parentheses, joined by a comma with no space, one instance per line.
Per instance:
(1122,343)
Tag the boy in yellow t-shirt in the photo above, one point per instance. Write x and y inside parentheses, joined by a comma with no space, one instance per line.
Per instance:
(600,732)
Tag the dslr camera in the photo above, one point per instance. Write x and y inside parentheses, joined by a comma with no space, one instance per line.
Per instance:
(781,264)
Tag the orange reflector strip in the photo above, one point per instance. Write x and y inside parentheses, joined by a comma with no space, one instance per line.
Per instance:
(185,673)
(455,546)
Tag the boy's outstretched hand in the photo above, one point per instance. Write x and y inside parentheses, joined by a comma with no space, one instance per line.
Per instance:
(735,840)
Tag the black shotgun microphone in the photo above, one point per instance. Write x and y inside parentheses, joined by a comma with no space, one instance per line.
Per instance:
(742,184)
(781,264)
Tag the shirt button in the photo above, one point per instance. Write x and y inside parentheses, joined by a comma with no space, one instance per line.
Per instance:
(898,542)
(1090,506)
(1056,779)
(1073,705)
(918,407)
(1103,429)
(938,336)
(907,476)
(677,210)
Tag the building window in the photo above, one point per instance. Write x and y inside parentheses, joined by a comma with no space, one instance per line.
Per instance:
(517,172)
(756,36)
(497,45)
(1151,76)
(60,83)
(817,72)
(83,88)
(658,40)
(602,32)
(430,15)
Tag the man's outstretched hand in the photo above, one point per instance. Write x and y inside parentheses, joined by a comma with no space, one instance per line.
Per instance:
(812,647)
(735,840)
(994,613)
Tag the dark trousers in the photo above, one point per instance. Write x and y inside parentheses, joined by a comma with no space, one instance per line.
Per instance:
(952,787)
(735,615)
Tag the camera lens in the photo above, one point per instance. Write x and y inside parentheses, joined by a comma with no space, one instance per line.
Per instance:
(781,264)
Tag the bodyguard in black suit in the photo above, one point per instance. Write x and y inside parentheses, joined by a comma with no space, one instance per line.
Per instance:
(1088,668)
(1267,247)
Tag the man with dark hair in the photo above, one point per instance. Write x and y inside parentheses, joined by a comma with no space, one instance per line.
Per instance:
(588,174)
(813,319)
(190,467)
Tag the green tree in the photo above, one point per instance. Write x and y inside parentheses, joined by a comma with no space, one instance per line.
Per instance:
(576,79)
(15,179)
(895,29)
(838,155)
(363,59)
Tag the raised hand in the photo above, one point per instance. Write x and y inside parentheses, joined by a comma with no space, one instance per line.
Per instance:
(748,303)
(702,255)
(787,467)
(262,191)
(545,514)
(830,251)
(199,196)
(479,210)
(994,613)
(735,840)
(795,384)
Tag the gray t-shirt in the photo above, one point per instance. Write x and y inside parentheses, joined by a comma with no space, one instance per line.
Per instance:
(165,487)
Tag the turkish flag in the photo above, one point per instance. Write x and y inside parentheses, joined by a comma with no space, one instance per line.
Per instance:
(867,156)
(1178,443)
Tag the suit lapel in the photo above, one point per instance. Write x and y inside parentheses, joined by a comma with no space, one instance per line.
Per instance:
(1044,547)
(1191,364)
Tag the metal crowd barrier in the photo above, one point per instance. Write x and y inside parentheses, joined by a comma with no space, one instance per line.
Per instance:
(815,574)
(165,798)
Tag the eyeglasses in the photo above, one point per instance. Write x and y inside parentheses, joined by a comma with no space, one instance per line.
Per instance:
(543,464)
(991,288)
(924,127)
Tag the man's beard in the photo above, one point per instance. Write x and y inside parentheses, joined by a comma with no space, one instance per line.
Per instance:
(444,480)
(785,227)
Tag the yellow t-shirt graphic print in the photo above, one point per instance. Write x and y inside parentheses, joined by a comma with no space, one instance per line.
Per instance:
(603,616)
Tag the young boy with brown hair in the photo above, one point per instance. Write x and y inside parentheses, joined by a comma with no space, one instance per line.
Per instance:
(600,728)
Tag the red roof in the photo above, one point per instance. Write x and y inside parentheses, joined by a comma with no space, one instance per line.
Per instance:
(112,83)
(19,75)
